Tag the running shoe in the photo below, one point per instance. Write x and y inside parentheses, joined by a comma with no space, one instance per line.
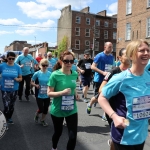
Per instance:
(9,121)
(88,109)
(85,100)
(109,142)
(54,149)
(104,118)
(27,98)
(36,118)
(44,123)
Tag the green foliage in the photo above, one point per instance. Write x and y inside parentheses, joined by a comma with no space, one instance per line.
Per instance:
(62,46)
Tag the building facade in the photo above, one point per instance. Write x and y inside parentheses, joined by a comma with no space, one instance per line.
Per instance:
(133,21)
(86,30)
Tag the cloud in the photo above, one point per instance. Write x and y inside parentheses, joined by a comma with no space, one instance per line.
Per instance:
(38,11)
(12,21)
(112,9)
(5,32)
(52,44)
(24,32)
(59,4)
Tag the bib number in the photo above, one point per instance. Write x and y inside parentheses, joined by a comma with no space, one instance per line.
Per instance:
(87,65)
(108,67)
(67,102)
(43,89)
(141,107)
(9,84)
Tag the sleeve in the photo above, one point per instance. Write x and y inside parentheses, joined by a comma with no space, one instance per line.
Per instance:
(52,80)
(35,76)
(35,62)
(112,87)
(19,71)
(97,59)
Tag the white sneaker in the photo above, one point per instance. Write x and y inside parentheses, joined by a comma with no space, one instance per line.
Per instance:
(54,149)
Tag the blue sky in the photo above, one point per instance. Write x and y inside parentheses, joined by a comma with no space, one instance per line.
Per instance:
(35,21)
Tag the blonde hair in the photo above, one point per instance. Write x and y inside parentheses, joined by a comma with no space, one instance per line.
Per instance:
(43,61)
(132,48)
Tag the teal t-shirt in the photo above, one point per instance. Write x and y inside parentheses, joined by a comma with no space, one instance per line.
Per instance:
(52,63)
(63,106)
(43,78)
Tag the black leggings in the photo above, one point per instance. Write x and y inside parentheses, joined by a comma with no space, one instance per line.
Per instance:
(43,105)
(129,147)
(72,122)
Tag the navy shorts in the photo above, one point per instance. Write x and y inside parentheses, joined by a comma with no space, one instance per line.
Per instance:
(85,80)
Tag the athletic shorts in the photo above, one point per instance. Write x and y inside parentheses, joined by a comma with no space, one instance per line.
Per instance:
(96,88)
(86,81)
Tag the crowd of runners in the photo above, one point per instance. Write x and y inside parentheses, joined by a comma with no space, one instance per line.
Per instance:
(121,88)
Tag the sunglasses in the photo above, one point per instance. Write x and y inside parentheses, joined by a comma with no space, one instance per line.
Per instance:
(11,58)
(44,65)
(66,61)
(49,56)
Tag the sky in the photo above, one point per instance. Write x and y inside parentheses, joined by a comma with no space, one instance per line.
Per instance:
(35,21)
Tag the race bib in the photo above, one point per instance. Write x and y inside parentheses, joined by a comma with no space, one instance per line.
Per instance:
(67,102)
(3,125)
(43,89)
(9,84)
(141,107)
(87,65)
(108,67)
(50,66)
(28,64)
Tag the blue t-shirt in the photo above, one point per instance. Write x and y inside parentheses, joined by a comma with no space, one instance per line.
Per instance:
(118,63)
(131,101)
(74,68)
(52,63)
(75,61)
(8,74)
(26,61)
(34,62)
(104,62)
(43,78)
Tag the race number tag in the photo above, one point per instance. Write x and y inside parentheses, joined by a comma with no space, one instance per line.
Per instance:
(141,107)
(9,84)
(3,125)
(87,65)
(108,67)
(67,102)
(28,64)
(43,89)
(50,66)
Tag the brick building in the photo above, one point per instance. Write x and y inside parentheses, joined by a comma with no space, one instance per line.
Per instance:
(84,28)
(133,21)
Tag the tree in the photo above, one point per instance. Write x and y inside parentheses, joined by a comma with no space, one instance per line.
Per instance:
(63,45)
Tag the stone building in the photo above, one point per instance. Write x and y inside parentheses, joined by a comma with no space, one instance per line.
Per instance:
(133,21)
(86,30)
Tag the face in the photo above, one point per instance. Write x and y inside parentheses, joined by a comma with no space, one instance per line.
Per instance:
(86,56)
(26,51)
(124,58)
(142,55)
(40,55)
(44,66)
(10,59)
(108,48)
(67,62)
(49,56)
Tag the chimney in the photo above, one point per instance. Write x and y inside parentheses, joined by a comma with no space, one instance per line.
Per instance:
(85,10)
(102,13)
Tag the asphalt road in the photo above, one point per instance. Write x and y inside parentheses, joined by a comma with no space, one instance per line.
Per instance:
(93,133)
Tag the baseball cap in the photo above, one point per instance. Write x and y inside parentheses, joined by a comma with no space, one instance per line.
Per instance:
(87,52)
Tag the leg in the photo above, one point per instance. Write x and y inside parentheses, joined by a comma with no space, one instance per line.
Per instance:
(27,80)
(72,123)
(45,108)
(20,89)
(58,127)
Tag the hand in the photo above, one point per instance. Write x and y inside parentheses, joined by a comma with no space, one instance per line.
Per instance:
(105,73)
(77,97)
(66,91)
(21,66)
(17,79)
(37,86)
(82,71)
(119,122)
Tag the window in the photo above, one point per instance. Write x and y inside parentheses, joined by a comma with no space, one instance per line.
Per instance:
(87,44)
(105,34)
(78,19)
(77,44)
(88,21)
(97,22)
(77,30)
(106,24)
(114,25)
(128,31)
(87,32)
(114,47)
(129,7)
(148,28)
(114,35)
(96,46)
(148,3)
(97,33)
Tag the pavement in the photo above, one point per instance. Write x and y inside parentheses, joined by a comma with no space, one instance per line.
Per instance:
(93,133)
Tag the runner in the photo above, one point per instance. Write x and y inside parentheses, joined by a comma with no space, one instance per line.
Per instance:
(84,67)
(11,76)
(62,86)
(42,99)
(25,61)
(52,62)
(130,111)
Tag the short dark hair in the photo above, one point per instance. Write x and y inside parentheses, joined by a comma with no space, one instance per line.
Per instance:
(121,51)
(11,54)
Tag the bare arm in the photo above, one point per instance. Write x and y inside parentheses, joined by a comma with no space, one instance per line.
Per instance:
(36,85)
(19,79)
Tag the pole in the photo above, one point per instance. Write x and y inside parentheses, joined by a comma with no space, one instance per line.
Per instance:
(93,48)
